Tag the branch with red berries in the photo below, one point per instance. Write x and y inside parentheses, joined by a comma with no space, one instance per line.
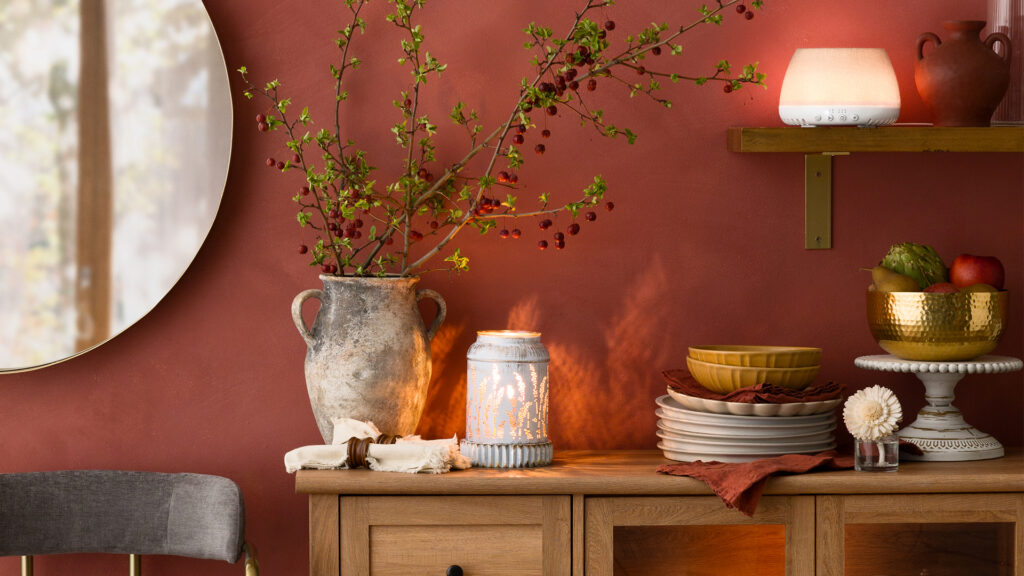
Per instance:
(363,229)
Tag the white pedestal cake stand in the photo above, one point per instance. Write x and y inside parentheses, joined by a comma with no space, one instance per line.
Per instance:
(940,430)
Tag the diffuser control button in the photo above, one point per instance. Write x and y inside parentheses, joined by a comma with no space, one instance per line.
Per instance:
(831,117)
(855,117)
(842,118)
(817,117)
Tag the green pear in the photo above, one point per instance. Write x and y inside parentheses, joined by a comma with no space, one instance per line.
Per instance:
(888,281)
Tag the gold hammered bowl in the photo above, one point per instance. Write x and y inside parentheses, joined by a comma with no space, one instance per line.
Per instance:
(937,327)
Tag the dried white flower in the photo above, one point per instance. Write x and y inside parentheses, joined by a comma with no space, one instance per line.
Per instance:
(872,413)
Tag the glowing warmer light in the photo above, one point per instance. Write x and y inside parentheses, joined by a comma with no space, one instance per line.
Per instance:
(839,87)
(507,401)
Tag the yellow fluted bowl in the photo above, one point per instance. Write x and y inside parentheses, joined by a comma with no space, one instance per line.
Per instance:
(758,356)
(724,379)
(937,327)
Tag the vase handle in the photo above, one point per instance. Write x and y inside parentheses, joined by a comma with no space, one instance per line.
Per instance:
(1005,40)
(297,313)
(442,310)
(922,40)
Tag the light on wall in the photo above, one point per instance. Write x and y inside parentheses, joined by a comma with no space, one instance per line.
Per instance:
(507,401)
(839,87)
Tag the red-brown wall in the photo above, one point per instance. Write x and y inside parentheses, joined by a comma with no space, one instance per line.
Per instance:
(705,246)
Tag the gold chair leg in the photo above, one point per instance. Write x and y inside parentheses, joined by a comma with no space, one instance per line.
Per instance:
(252,564)
(134,565)
(26,566)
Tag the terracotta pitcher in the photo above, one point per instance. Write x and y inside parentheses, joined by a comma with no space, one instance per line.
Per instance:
(962,80)
(368,352)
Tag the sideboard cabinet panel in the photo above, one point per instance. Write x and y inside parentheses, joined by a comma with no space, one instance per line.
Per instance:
(697,536)
(921,534)
(483,535)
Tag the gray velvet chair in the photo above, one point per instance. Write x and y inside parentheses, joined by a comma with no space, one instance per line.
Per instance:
(120,512)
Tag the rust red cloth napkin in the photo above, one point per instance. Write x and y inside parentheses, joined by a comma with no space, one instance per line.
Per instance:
(740,485)
(682,382)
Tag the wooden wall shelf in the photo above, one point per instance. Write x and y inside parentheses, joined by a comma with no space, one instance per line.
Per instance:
(820,143)
(880,139)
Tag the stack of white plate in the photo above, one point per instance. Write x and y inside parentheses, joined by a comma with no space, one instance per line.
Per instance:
(688,435)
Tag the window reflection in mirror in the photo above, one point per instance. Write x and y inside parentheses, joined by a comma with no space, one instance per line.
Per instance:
(113,156)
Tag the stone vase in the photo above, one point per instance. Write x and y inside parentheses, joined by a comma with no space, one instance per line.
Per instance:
(962,80)
(368,352)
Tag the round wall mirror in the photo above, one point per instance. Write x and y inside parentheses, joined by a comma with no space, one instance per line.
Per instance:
(114,153)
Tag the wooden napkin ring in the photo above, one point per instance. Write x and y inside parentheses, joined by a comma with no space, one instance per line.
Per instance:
(358,448)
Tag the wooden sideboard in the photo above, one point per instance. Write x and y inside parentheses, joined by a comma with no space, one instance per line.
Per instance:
(604,513)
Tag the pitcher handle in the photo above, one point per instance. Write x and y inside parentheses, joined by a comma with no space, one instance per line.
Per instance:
(442,310)
(300,323)
(1007,47)
(923,39)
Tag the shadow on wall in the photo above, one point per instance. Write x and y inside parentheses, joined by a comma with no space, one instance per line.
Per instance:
(589,404)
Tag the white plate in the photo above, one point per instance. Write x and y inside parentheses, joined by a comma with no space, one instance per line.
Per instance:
(744,448)
(718,430)
(771,440)
(676,411)
(684,456)
(751,409)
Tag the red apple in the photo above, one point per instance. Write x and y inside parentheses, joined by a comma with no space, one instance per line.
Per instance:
(968,270)
(942,288)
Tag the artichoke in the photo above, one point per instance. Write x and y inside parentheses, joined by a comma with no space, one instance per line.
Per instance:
(920,262)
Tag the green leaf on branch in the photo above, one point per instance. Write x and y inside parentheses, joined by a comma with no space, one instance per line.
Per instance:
(459,262)
(303,218)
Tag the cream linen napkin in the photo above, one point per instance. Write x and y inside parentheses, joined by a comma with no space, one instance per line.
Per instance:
(411,454)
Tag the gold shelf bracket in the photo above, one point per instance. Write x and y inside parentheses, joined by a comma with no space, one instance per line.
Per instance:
(818,200)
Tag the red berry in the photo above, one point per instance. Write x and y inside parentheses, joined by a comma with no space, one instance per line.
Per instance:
(727,88)
(326,268)
(422,173)
(513,178)
(559,236)
(430,176)
(296,159)
(573,229)
(357,234)
(570,73)
(602,34)
(263,127)
(740,8)
(641,70)
(545,224)
(591,85)
(357,223)
(407,103)
(260,118)
(516,233)
(303,248)
(609,206)
(539,148)
(749,15)
(527,107)
(590,216)
(390,240)
(415,236)
(552,110)
(271,162)
(280,165)
(332,226)
(503,234)
(304,191)
(521,128)
(332,214)
(656,50)
(574,85)
(609,25)
(502,176)
(559,244)
(543,244)
(545,134)
(518,139)
(434,224)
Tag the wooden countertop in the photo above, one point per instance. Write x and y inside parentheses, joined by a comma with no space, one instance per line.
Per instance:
(634,472)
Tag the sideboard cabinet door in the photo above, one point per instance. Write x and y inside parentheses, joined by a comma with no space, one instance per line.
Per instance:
(696,535)
(921,534)
(471,535)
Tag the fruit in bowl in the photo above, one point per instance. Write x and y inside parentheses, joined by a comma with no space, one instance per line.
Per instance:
(947,318)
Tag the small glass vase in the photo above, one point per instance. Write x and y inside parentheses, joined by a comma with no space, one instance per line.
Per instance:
(882,455)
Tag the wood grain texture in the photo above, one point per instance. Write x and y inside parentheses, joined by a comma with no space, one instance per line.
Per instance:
(578,534)
(881,139)
(703,534)
(829,535)
(634,472)
(485,535)
(324,535)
